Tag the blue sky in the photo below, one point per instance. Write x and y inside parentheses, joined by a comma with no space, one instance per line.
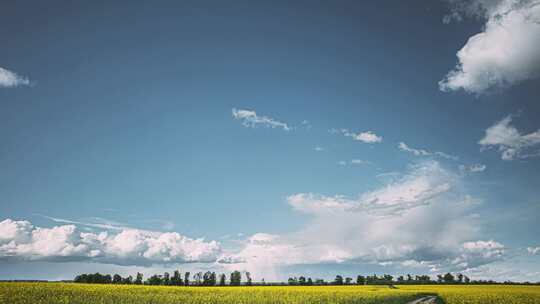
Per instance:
(279,138)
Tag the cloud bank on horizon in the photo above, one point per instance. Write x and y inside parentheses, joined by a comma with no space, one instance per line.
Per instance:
(20,240)
(381,226)
(422,219)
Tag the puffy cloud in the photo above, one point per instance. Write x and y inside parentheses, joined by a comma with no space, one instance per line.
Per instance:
(421,218)
(250,118)
(504,53)
(509,141)
(9,79)
(533,250)
(22,240)
(368,137)
(420,152)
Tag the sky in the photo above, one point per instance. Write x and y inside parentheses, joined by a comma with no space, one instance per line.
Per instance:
(282,138)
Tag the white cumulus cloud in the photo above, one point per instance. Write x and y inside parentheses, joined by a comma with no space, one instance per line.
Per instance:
(368,137)
(250,118)
(504,53)
(9,79)
(23,241)
(509,141)
(421,218)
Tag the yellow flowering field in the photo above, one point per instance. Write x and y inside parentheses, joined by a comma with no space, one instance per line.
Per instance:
(481,294)
(64,293)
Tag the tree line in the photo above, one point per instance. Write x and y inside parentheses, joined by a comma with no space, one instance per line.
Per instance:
(176,279)
(235,279)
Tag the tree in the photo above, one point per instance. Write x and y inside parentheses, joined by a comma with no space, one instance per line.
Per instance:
(117,279)
(222,279)
(338,280)
(460,278)
(360,280)
(166,279)
(154,280)
(467,280)
(292,281)
(197,278)
(138,279)
(348,281)
(209,278)
(236,278)
(400,279)
(248,279)
(301,280)
(448,278)
(440,278)
(176,279)
(127,280)
(309,282)
(186,278)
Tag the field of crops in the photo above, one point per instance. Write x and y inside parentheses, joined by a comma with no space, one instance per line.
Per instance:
(64,293)
(492,294)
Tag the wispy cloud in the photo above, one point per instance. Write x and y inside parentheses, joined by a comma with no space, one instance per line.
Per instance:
(533,250)
(509,141)
(360,162)
(504,53)
(474,168)
(421,152)
(249,118)
(97,223)
(9,79)
(318,149)
(368,137)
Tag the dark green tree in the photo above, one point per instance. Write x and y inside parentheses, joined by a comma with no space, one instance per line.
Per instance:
(449,278)
(166,279)
(248,279)
(236,278)
(176,278)
(154,280)
(117,279)
(127,280)
(186,278)
(222,279)
(138,279)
